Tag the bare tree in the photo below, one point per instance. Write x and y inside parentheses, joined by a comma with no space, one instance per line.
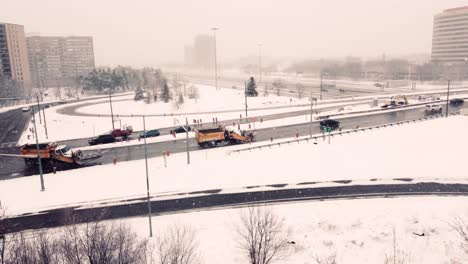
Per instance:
(460,227)
(300,89)
(265,90)
(98,243)
(397,256)
(261,235)
(194,93)
(177,246)
(278,84)
(331,259)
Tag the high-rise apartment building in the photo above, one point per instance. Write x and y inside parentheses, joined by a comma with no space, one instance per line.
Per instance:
(201,53)
(450,36)
(57,60)
(14,56)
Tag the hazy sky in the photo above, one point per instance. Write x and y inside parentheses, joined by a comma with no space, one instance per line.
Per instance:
(148,32)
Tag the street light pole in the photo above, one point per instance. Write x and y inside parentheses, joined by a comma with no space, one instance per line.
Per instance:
(39,109)
(448,92)
(187,139)
(147,180)
(38,150)
(245,95)
(311,111)
(215,59)
(112,113)
(321,86)
(259,62)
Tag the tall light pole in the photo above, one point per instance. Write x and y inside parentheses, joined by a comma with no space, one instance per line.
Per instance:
(447,105)
(187,139)
(147,180)
(245,95)
(38,150)
(321,86)
(215,59)
(311,111)
(112,112)
(259,62)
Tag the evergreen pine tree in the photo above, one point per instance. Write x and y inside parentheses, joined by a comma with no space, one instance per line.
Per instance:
(165,95)
(252,87)
(181,99)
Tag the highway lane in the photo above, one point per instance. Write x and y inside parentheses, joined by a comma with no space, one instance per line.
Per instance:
(136,152)
(212,199)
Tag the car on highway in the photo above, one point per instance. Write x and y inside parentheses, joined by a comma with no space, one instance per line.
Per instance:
(456,101)
(26,109)
(150,133)
(433,109)
(102,139)
(180,129)
(330,123)
(118,132)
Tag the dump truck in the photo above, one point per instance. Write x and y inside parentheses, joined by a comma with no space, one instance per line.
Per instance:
(53,154)
(213,136)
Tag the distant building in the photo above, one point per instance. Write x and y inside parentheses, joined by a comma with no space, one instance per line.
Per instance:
(450,36)
(201,53)
(14,56)
(55,61)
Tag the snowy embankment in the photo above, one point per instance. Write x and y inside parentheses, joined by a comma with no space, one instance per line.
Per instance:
(356,231)
(424,150)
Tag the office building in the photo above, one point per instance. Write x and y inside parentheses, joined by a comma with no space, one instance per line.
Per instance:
(55,61)
(450,36)
(14,57)
(201,53)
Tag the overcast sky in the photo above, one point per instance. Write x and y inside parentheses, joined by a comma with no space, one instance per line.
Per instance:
(148,32)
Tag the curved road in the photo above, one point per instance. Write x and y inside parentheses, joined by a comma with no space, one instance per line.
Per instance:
(210,199)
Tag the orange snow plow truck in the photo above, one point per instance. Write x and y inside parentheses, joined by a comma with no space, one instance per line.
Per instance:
(213,136)
(52,153)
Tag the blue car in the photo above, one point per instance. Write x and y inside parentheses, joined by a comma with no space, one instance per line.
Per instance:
(150,133)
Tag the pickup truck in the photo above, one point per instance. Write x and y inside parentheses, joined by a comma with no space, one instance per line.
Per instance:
(121,132)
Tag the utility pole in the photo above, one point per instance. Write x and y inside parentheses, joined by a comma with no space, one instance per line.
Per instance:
(147,180)
(245,95)
(215,59)
(38,150)
(259,62)
(448,92)
(321,86)
(112,113)
(45,123)
(311,111)
(187,139)
(39,109)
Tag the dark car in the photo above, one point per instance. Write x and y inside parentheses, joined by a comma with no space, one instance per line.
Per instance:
(150,133)
(180,129)
(456,101)
(333,124)
(102,139)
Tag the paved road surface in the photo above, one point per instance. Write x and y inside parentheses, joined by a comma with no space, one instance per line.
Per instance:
(136,152)
(210,199)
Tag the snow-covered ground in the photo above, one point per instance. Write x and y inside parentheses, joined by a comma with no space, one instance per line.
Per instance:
(357,231)
(425,150)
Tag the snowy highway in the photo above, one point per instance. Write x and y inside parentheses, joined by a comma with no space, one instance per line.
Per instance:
(14,167)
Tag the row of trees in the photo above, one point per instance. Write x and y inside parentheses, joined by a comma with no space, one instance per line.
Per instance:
(123,78)
(395,69)
(261,234)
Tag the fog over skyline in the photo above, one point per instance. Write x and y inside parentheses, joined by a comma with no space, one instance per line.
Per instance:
(147,33)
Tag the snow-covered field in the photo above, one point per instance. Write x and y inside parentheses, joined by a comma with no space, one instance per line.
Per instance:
(425,150)
(357,231)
